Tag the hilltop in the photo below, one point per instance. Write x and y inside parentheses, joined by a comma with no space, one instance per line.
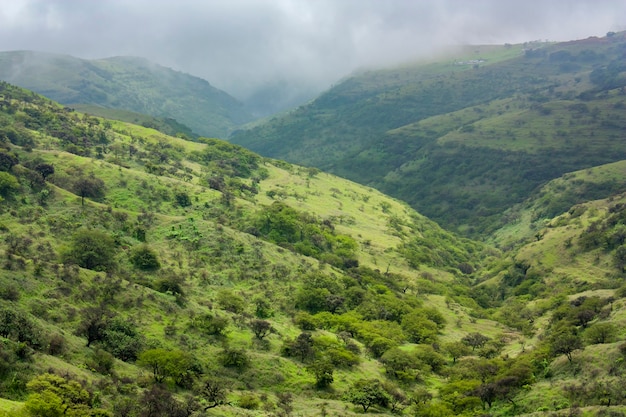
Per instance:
(126,83)
(464,139)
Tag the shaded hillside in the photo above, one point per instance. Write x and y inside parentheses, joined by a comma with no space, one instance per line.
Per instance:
(464,140)
(126,83)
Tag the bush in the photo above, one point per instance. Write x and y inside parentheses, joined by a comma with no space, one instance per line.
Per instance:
(234,358)
(144,258)
(8,184)
(231,302)
(249,402)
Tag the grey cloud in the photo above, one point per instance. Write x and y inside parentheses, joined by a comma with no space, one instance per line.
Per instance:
(244,45)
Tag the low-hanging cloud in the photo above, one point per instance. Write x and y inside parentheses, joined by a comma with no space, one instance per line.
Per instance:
(243,45)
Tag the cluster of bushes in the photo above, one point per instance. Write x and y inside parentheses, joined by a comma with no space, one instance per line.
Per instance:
(304,234)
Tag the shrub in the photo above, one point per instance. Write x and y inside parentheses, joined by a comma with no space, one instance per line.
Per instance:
(234,358)
(249,402)
(144,258)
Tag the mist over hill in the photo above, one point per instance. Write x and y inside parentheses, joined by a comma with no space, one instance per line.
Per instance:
(127,83)
(463,139)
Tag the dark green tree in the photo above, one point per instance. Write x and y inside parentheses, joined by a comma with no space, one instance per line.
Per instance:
(214,392)
(45,170)
(260,328)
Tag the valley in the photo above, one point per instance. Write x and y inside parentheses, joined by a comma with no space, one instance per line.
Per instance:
(148,270)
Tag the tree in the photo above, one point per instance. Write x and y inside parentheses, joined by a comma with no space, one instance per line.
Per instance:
(401,364)
(475,340)
(366,393)
(456,350)
(234,358)
(92,324)
(260,328)
(214,392)
(564,341)
(182,199)
(301,347)
(323,371)
(45,170)
(175,364)
(601,333)
(120,338)
(91,249)
(91,187)
(158,402)
(7,161)
(210,324)
(418,328)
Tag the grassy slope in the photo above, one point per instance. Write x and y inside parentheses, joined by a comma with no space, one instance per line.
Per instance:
(568,270)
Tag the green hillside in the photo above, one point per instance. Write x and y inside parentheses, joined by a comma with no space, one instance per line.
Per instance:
(464,139)
(147,275)
(141,270)
(126,83)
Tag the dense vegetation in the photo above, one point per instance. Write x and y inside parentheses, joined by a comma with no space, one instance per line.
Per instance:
(463,143)
(126,83)
(147,275)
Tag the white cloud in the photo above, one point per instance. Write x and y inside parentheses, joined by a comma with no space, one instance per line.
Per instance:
(239,45)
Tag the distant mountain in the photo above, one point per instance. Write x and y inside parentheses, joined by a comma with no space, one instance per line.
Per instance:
(128,83)
(464,139)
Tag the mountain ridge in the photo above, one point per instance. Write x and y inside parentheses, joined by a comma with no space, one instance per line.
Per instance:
(129,83)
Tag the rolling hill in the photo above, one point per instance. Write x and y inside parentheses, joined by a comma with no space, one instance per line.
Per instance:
(464,139)
(126,83)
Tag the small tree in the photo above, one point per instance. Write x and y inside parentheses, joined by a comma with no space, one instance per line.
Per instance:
(52,396)
(214,392)
(323,371)
(260,328)
(91,249)
(45,170)
(456,350)
(475,340)
(601,333)
(91,187)
(366,393)
(564,342)
(92,324)
(175,364)
(234,358)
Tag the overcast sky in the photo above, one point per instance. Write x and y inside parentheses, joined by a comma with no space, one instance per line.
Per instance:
(239,45)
